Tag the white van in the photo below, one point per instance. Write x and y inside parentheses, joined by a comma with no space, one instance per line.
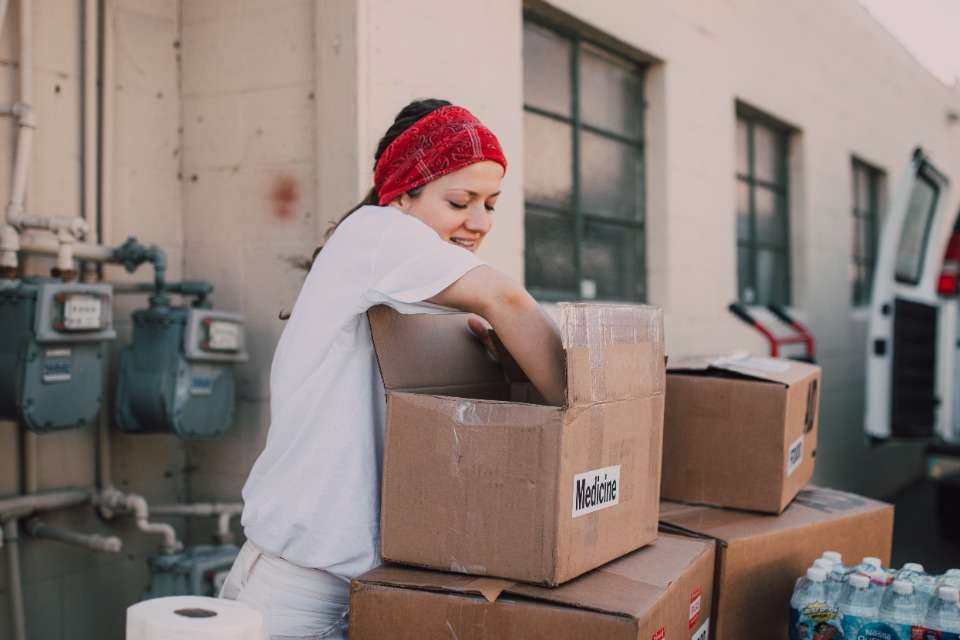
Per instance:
(913,337)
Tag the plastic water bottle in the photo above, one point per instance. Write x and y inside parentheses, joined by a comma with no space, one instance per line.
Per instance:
(837,559)
(810,610)
(944,613)
(909,570)
(924,585)
(857,605)
(950,579)
(868,565)
(834,582)
(877,586)
(900,611)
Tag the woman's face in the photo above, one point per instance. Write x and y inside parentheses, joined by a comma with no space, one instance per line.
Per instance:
(458,206)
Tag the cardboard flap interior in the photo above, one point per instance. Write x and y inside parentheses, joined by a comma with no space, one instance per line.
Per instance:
(779,370)
(430,351)
(613,351)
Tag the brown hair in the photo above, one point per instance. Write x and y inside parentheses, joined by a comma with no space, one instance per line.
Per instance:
(407,116)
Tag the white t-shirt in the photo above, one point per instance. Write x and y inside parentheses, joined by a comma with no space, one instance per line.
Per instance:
(313,495)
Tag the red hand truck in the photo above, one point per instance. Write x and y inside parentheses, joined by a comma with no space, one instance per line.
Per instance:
(802,335)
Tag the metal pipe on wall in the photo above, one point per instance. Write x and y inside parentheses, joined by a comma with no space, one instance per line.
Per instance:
(15,586)
(22,506)
(94,541)
(223,511)
(26,121)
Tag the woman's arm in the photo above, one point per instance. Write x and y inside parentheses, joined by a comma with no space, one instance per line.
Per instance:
(526,330)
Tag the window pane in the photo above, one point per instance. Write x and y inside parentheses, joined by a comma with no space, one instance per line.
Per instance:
(857,247)
(610,177)
(743,211)
(548,160)
(771,223)
(546,69)
(771,277)
(766,154)
(550,252)
(916,226)
(743,158)
(612,261)
(745,276)
(862,181)
(856,284)
(610,92)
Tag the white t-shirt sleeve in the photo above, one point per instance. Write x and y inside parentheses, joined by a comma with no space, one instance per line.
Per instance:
(413,263)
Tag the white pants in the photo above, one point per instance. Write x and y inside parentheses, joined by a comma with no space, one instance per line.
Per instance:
(297,603)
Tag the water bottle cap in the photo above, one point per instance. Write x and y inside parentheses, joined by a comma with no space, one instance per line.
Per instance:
(950,594)
(875,562)
(913,566)
(859,581)
(902,587)
(823,563)
(832,555)
(816,574)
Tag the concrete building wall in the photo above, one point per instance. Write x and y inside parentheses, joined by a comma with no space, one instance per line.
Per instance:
(69,592)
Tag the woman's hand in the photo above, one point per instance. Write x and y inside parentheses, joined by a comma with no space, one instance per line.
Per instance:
(527,332)
(480,329)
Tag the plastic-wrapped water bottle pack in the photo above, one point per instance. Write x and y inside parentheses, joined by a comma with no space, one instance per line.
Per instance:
(870,602)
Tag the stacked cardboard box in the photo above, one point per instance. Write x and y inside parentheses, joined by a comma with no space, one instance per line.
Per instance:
(740,432)
(760,556)
(663,590)
(740,438)
(479,478)
(515,519)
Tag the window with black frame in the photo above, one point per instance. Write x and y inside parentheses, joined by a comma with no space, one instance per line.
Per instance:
(867,194)
(583,168)
(763,221)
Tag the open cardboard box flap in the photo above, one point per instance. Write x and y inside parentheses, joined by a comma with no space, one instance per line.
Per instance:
(786,372)
(627,587)
(612,352)
(429,350)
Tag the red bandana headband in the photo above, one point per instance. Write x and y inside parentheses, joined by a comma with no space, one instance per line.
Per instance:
(441,142)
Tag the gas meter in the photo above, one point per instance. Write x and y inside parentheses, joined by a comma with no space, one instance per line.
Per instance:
(196,571)
(51,351)
(177,373)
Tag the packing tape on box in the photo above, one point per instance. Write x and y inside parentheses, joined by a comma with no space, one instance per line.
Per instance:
(195,617)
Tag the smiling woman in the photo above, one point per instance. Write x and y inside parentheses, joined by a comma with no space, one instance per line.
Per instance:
(312,500)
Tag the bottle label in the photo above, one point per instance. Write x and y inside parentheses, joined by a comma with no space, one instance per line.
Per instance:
(815,621)
(857,628)
(931,634)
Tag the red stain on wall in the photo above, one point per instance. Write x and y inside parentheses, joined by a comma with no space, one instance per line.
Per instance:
(284,196)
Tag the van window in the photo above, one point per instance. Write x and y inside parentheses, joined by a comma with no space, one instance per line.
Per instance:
(916,230)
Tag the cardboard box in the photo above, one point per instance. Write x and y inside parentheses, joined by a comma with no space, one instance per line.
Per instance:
(739,432)
(475,483)
(759,557)
(661,591)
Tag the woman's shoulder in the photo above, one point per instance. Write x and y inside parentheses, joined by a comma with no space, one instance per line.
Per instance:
(376,221)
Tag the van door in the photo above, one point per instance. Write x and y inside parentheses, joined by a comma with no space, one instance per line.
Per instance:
(910,350)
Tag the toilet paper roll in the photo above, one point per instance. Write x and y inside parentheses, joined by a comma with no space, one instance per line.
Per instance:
(180,617)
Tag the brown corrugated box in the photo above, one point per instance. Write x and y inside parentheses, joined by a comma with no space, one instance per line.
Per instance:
(739,432)
(474,483)
(759,557)
(660,592)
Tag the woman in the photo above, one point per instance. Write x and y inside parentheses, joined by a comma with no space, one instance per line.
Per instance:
(312,501)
